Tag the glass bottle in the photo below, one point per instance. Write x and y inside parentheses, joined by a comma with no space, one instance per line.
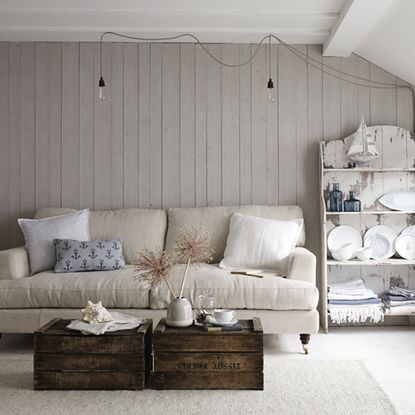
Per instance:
(352,204)
(336,199)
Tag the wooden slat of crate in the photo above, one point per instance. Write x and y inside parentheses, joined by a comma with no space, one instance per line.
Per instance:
(99,345)
(207,380)
(66,359)
(110,380)
(208,362)
(194,339)
(57,361)
(190,358)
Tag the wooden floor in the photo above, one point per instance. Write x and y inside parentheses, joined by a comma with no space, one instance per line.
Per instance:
(388,352)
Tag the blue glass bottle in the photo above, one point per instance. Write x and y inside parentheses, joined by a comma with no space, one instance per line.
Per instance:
(336,199)
(352,204)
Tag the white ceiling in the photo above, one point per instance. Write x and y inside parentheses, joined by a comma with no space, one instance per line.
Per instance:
(381,31)
(299,21)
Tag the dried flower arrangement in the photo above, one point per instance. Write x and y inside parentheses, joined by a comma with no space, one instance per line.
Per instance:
(154,267)
(191,245)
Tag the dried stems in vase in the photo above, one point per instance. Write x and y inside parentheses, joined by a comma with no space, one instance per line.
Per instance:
(192,247)
(154,267)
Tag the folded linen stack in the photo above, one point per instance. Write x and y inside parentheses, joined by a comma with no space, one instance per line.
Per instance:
(352,302)
(400,301)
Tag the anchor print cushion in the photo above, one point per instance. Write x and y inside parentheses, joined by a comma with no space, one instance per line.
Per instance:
(80,256)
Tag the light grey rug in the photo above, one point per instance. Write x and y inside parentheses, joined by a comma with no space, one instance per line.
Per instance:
(300,386)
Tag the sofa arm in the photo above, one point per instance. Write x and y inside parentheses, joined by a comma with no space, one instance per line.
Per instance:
(302,265)
(14,263)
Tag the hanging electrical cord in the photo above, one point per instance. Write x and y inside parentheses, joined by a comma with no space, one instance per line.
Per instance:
(324,68)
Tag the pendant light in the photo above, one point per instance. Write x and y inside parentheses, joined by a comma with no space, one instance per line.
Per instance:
(270,86)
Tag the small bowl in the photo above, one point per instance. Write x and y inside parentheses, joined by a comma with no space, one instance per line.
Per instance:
(344,253)
(364,254)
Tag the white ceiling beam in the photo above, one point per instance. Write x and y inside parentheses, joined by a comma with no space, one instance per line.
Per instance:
(356,20)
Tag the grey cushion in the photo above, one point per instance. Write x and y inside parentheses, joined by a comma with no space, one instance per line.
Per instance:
(81,256)
(40,233)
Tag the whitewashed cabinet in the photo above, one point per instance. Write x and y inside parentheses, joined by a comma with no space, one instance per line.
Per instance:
(394,169)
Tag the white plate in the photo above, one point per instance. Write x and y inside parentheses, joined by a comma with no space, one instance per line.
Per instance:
(387,233)
(405,246)
(343,235)
(410,230)
(380,245)
(231,323)
(400,200)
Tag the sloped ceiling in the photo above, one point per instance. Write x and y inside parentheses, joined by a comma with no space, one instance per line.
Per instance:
(391,43)
(382,31)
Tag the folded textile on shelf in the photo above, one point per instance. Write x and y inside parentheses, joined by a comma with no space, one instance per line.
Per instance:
(402,310)
(366,295)
(120,322)
(341,314)
(352,302)
(402,292)
(399,299)
(356,302)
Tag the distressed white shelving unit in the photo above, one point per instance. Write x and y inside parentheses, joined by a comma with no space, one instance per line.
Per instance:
(394,169)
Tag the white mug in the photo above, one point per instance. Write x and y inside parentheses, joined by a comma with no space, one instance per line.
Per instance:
(224,315)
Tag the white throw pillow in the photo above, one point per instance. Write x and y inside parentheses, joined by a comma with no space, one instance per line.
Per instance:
(40,233)
(260,243)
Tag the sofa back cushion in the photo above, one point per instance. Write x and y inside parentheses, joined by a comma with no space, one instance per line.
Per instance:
(215,220)
(136,228)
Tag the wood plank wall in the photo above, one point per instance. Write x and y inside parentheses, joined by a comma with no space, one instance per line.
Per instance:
(176,129)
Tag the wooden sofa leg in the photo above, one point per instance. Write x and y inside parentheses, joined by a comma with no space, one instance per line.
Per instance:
(305,338)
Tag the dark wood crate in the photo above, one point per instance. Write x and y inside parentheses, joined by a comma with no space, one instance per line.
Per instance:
(191,358)
(66,359)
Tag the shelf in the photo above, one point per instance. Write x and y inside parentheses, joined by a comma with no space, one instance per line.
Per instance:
(373,212)
(369,170)
(390,261)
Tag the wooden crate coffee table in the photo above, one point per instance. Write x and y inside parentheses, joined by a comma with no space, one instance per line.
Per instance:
(192,358)
(66,359)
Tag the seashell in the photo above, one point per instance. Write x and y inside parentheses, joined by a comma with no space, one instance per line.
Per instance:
(96,313)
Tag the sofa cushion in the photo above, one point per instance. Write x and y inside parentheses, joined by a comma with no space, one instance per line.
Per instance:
(237,291)
(85,256)
(39,235)
(136,228)
(215,220)
(117,289)
(260,243)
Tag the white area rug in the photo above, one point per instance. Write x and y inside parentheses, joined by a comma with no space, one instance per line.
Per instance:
(300,386)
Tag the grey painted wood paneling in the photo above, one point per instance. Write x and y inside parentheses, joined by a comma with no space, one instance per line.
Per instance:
(176,128)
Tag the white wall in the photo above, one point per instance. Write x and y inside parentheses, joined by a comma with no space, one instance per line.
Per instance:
(176,129)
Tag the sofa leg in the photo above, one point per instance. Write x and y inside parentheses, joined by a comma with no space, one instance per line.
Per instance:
(305,338)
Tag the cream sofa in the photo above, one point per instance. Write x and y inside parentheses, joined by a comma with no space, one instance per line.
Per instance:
(285,305)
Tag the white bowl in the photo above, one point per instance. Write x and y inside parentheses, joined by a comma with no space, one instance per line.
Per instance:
(344,253)
(364,254)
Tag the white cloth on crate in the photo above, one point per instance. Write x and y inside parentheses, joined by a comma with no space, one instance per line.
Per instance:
(119,321)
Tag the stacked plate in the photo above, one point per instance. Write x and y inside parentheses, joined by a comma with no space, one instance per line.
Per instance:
(344,238)
(381,239)
(405,243)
